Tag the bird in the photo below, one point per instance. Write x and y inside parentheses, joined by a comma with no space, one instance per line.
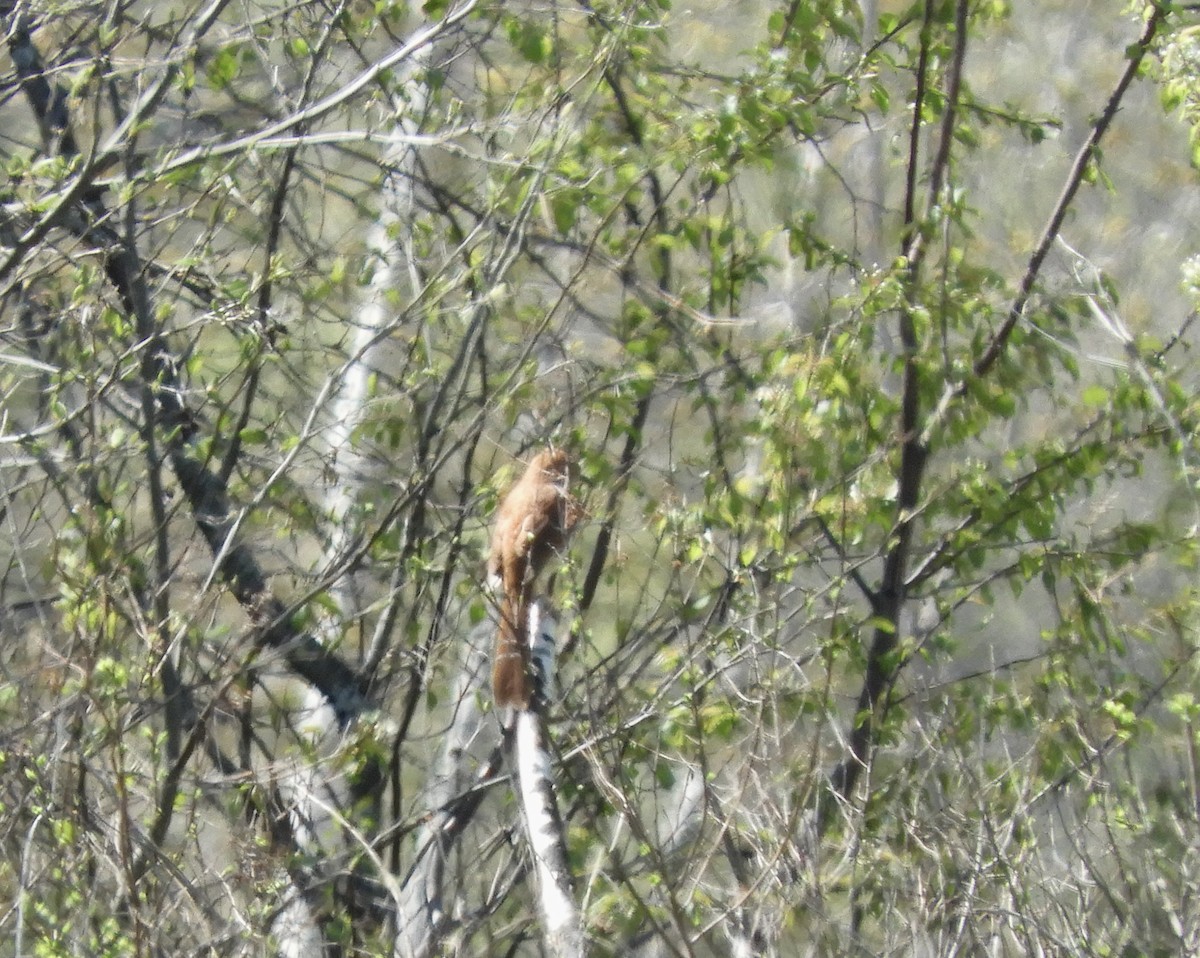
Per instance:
(533,523)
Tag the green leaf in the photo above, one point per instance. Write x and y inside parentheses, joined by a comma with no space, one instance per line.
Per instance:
(223,68)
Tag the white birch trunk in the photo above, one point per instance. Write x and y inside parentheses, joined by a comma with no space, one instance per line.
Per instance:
(393,269)
(421,912)
(562,933)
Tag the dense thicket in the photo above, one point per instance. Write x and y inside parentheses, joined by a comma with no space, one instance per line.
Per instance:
(869,325)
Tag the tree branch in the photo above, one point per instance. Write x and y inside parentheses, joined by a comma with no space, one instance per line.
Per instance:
(1075,177)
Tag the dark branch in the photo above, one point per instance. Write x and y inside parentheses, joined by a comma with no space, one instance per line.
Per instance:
(206,491)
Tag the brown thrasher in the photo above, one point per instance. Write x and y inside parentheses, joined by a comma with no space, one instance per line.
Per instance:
(532,523)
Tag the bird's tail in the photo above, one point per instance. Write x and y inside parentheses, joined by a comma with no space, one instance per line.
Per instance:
(510,664)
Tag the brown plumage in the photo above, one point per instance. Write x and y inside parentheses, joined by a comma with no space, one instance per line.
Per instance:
(532,524)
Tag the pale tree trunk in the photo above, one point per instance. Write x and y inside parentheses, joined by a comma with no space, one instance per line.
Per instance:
(562,934)
(335,698)
(421,912)
(455,791)
(394,277)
